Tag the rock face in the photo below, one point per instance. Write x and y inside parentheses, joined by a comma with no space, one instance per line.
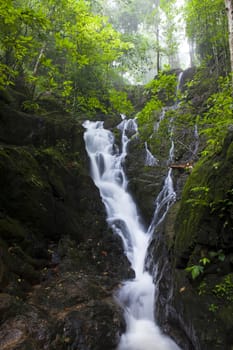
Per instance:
(59,263)
(196,285)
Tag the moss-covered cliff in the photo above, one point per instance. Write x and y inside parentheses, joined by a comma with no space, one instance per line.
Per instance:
(204,246)
(195,247)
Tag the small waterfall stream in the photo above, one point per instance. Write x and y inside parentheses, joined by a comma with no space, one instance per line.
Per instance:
(137,295)
(150,159)
(166,197)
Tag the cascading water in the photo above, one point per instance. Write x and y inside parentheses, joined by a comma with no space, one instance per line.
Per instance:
(150,159)
(196,138)
(137,295)
(161,117)
(165,198)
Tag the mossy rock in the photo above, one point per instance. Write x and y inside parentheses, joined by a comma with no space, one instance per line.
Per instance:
(203,229)
(205,213)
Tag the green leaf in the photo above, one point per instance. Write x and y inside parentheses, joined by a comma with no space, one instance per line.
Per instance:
(195,270)
(204,261)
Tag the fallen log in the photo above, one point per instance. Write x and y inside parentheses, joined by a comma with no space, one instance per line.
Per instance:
(187,165)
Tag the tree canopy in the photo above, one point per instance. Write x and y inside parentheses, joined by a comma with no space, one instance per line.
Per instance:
(59,47)
(206,28)
(83,52)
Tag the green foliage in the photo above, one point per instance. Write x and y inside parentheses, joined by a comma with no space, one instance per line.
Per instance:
(7,75)
(199,196)
(144,24)
(208,103)
(204,261)
(218,117)
(163,87)
(59,47)
(223,208)
(170,31)
(17,23)
(90,105)
(147,114)
(30,106)
(225,288)
(202,288)
(160,91)
(213,308)
(197,270)
(119,102)
(137,61)
(219,255)
(206,28)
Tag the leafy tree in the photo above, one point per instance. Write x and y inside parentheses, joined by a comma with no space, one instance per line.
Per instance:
(170,32)
(229,8)
(151,27)
(58,48)
(161,91)
(17,26)
(218,117)
(206,28)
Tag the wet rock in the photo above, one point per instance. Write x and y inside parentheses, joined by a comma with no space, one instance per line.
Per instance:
(6,301)
(198,307)
(72,306)
(144,182)
(94,327)
(60,265)
(13,335)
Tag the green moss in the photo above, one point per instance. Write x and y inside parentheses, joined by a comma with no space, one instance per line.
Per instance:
(21,162)
(189,216)
(54,164)
(229,155)
(53,153)
(208,188)
(169,223)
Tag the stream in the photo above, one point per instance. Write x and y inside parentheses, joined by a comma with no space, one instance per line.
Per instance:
(136,296)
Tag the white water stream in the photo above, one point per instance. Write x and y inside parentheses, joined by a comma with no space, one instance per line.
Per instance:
(137,295)
(150,159)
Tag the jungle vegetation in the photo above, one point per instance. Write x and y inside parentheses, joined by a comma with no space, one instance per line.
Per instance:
(86,54)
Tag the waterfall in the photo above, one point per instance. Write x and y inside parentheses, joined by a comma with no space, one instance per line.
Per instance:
(196,138)
(179,82)
(161,117)
(167,195)
(136,296)
(150,159)
(165,199)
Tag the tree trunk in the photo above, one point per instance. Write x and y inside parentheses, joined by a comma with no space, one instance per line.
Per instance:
(35,70)
(191,52)
(158,50)
(38,60)
(229,9)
